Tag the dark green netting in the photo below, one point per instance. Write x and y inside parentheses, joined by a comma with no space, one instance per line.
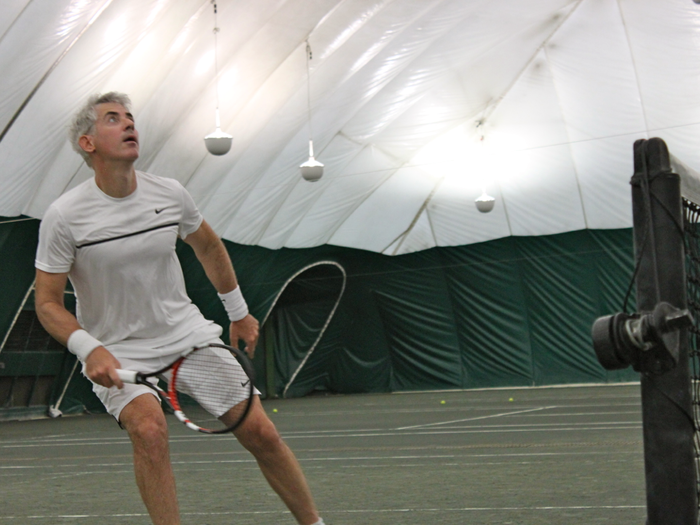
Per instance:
(510,312)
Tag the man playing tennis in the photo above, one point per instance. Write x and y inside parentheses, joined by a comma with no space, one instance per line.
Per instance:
(114,236)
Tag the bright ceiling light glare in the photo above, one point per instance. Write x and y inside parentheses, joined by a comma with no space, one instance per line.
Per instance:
(178,42)
(468,162)
(458,157)
(205,64)
(116,31)
(229,81)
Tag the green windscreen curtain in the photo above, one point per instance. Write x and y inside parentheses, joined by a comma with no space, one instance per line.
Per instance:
(511,312)
(35,370)
(18,240)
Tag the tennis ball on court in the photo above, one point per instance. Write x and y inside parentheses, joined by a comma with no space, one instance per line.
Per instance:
(442,402)
(511,399)
(274,410)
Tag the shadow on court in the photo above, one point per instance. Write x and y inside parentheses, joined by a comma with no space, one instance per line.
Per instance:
(520,456)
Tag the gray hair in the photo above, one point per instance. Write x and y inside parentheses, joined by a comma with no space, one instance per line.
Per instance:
(84,120)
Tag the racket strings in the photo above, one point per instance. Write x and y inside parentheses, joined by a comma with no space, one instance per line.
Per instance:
(210,388)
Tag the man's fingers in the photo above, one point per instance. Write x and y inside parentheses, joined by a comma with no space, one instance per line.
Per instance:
(101,367)
(233,336)
(250,350)
(246,329)
(251,342)
(114,377)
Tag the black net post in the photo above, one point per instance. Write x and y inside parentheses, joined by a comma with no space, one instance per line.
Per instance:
(669,456)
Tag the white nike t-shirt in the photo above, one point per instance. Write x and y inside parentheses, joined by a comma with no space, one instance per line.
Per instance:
(120,257)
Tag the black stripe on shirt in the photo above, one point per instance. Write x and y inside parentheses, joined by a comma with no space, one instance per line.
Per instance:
(92,243)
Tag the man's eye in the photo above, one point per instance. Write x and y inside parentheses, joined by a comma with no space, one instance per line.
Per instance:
(112,119)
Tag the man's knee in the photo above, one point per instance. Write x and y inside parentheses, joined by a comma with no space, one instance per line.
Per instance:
(145,422)
(258,434)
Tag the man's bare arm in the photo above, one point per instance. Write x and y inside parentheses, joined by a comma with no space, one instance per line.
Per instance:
(100,365)
(212,254)
(50,309)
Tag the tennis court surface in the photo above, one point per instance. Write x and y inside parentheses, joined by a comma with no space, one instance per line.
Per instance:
(511,456)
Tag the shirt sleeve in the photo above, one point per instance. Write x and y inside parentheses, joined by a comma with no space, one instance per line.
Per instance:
(56,250)
(191,217)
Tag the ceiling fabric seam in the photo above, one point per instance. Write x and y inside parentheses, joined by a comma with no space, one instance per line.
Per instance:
(634,68)
(9,28)
(568,136)
(423,207)
(489,111)
(52,68)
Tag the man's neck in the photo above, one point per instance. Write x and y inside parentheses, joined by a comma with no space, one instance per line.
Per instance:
(116,180)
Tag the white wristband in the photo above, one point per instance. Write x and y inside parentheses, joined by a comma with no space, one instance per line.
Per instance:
(235,305)
(81,344)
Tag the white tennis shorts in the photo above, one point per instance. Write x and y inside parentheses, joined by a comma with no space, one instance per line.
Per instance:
(115,399)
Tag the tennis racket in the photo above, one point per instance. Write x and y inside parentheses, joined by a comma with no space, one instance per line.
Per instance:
(210,389)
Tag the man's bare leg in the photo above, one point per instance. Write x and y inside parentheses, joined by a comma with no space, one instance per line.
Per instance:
(145,422)
(277,463)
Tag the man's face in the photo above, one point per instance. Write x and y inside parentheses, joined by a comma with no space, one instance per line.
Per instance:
(114,137)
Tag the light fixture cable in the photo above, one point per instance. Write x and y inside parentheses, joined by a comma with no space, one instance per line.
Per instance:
(311,170)
(216,62)
(309,57)
(218,143)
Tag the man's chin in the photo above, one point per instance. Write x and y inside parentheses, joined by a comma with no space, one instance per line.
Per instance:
(133,152)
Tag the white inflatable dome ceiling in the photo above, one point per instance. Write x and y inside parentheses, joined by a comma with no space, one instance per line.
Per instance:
(417,108)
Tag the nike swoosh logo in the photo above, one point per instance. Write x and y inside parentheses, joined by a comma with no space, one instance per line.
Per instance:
(158,211)
(246,383)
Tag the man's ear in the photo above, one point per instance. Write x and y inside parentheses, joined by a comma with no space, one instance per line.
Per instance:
(86,142)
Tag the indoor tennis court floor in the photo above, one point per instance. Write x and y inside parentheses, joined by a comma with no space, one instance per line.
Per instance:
(512,456)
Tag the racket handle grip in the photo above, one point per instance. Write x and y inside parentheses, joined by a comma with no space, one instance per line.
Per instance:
(128,376)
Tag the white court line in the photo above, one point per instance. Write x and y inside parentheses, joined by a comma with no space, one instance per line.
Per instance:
(553,426)
(335,511)
(494,431)
(479,417)
(320,460)
(66,439)
(380,433)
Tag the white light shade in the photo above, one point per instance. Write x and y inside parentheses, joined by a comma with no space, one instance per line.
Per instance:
(311,170)
(485,203)
(218,143)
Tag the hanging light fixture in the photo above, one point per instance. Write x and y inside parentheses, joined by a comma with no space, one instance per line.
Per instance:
(311,170)
(218,142)
(485,202)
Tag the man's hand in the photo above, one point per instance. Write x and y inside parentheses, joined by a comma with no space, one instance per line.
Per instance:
(101,367)
(247,329)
